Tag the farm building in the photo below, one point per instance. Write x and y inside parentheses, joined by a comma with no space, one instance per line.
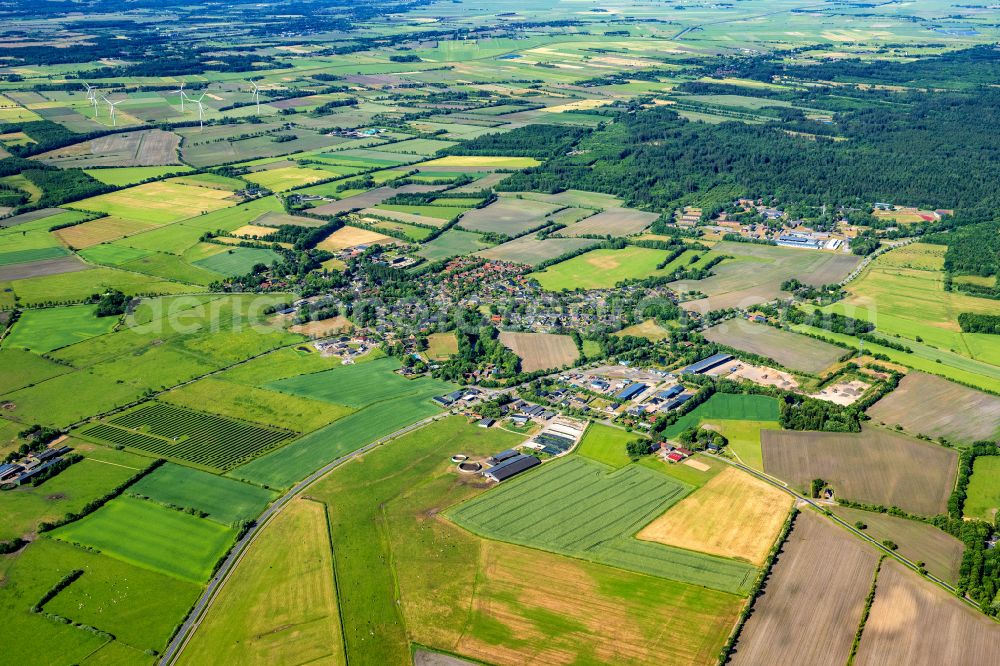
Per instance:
(498,458)
(670,392)
(706,364)
(486,423)
(511,467)
(630,391)
(799,240)
(676,402)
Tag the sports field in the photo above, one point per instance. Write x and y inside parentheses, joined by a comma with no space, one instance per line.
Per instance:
(603,269)
(875,466)
(280,603)
(225,500)
(541,351)
(814,599)
(793,351)
(928,405)
(441,346)
(733,515)
(152,536)
(580,508)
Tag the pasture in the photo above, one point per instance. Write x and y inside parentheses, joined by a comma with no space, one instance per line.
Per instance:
(874,466)
(603,269)
(940,552)
(161,202)
(451,243)
(152,536)
(238,260)
(756,272)
(734,515)
(744,438)
(204,440)
(910,617)
(606,444)
(983,498)
(541,351)
(287,178)
(729,407)
(509,216)
(484,161)
(932,406)
(815,595)
(21,367)
(124,176)
(43,330)
(577,507)
(225,500)
(280,603)
(791,350)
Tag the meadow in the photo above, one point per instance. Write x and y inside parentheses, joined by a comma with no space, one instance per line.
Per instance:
(820,579)
(577,507)
(727,407)
(280,603)
(451,243)
(152,536)
(226,501)
(605,444)
(22,368)
(874,466)
(161,202)
(791,350)
(983,495)
(743,436)
(47,329)
(124,176)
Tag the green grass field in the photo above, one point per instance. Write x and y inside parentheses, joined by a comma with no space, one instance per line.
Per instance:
(122,176)
(606,444)
(21,367)
(601,269)
(744,438)
(983,499)
(451,244)
(43,330)
(576,507)
(152,536)
(238,260)
(225,500)
(729,407)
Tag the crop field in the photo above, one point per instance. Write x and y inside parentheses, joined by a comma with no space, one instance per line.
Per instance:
(541,351)
(435,211)
(814,599)
(909,618)
(733,515)
(983,500)
(67,492)
(101,230)
(793,351)
(44,330)
(286,178)
(451,244)
(145,148)
(483,161)
(280,604)
(421,215)
(874,466)
(602,269)
(614,221)
(212,442)
(152,536)
(932,406)
(531,251)
(123,176)
(757,271)
(940,552)
(509,216)
(729,407)
(903,294)
(161,202)
(225,500)
(346,237)
(606,445)
(576,507)
(411,231)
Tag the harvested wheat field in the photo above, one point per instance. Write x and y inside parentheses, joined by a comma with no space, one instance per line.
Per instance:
(101,230)
(733,515)
(932,406)
(541,351)
(346,237)
(323,327)
(875,466)
(253,231)
(916,623)
(813,599)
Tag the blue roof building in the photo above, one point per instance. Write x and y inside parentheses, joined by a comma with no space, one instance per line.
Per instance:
(707,364)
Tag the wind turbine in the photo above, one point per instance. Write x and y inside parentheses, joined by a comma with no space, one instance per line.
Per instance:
(91,96)
(112,105)
(182,93)
(255,95)
(201,109)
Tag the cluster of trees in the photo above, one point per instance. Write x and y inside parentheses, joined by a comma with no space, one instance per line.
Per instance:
(112,303)
(829,321)
(479,347)
(826,293)
(539,141)
(979,323)
(697,439)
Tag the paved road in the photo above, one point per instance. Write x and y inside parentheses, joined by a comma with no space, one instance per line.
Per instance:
(239,549)
(843,523)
